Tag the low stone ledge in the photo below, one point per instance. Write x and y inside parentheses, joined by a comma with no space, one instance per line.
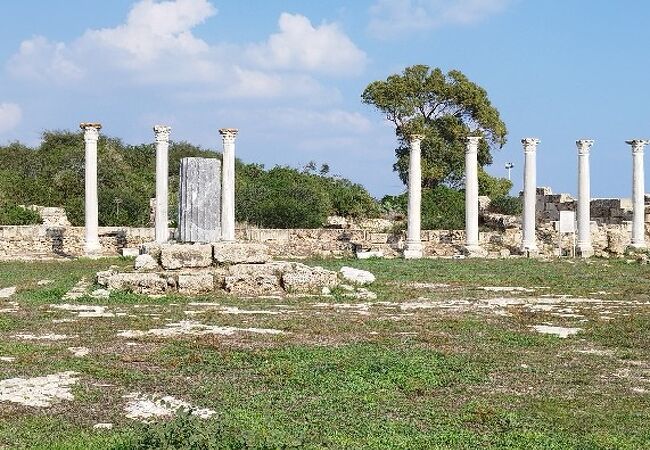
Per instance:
(240,253)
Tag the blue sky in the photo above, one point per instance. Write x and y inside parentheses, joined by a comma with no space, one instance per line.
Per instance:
(289,75)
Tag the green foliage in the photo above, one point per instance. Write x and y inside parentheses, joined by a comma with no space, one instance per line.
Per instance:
(53,175)
(446,108)
(443,208)
(505,204)
(18,215)
(491,186)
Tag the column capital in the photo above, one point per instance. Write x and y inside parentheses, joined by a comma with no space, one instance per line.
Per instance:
(162,132)
(637,144)
(415,138)
(584,146)
(91,130)
(228,134)
(472,144)
(530,144)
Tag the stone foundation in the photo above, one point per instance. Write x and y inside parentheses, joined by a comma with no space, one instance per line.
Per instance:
(30,242)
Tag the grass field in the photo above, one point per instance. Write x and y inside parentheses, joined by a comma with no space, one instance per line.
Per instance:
(435,362)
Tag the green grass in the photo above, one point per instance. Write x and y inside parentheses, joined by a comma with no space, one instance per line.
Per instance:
(431,379)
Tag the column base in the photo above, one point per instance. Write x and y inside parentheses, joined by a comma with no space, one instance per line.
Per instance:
(638,246)
(413,250)
(474,251)
(584,251)
(530,251)
(92,250)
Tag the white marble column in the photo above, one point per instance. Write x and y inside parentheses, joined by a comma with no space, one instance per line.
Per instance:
(472,246)
(91,136)
(638,194)
(228,184)
(413,248)
(584,247)
(162,182)
(529,240)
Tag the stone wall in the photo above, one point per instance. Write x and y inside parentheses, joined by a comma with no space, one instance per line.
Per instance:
(25,242)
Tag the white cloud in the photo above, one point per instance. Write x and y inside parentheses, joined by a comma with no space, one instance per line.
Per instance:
(393,17)
(10,116)
(156,45)
(300,45)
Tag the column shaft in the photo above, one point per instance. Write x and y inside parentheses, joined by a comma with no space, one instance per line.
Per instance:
(91,136)
(638,194)
(529,240)
(584,247)
(413,248)
(228,184)
(471,195)
(162,183)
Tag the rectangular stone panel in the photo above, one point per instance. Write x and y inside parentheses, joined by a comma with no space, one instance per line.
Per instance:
(199,205)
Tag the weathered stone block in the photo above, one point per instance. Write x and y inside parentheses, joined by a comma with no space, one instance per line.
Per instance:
(255,279)
(357,276)
(130,252)
(199,210)
(139,283)
(177,256)
(145,263)
(240,253)
(195,284)
(300,279)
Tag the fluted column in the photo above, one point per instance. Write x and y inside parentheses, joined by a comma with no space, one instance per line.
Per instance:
(584,247)
(638,193)
(472,246)
(529,239)
(228,184)
(413,248)
(91,136)
(162,182)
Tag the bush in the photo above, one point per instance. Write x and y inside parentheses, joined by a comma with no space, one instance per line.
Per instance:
(443,208)
(505,204)
(18,215)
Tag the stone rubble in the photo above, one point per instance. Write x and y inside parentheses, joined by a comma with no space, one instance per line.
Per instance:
(357,276)
(39,392)
(193,328)
(7,292)
(145,407)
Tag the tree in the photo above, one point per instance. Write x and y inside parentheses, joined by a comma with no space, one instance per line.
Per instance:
(446,108)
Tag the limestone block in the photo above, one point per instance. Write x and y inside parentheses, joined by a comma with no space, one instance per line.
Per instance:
(183,256)
(130,252)
(104,276)
(199,209)
(336,222)
(369,254)
(240,253)
(153,249)
(618,239)
(145,263)
(196,284)
(255,279)
(139,283)
(357,276)
(301,279)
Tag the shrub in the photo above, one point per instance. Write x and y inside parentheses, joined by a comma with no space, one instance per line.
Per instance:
(443,208)
(18,215)
(505,204)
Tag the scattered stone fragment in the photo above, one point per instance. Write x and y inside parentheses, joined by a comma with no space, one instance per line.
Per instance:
(100,294)
(146,407)
(85,311)
(7,292)
(40,392)
(45,282)
(78,290)
(145,263)
(103,426)
(7,358)
(79,352)
(357,276)
(561,332)
(192,328)
(362,294)
(506,289)
(44,337)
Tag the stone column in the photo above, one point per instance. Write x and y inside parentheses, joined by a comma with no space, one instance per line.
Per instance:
(228,184)
(91,136)
(529,240)
(584,247)
(413,248)
(162,182)
(638,194)
(472,247)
